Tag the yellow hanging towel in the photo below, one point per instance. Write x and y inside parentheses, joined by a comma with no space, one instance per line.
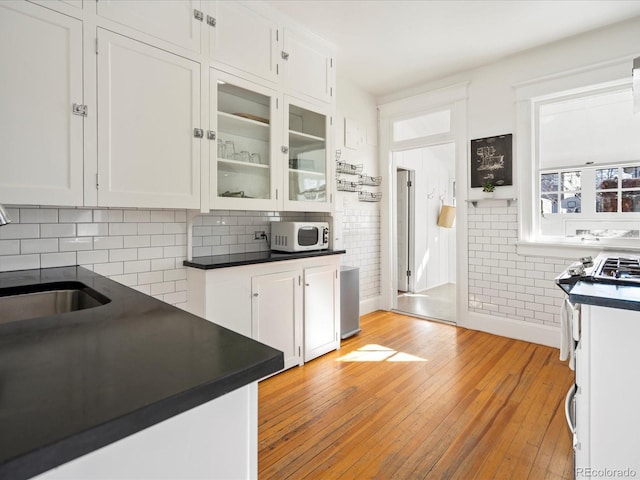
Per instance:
(447,216)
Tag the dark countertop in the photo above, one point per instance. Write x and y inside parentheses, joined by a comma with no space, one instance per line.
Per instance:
(612,295)
(71,383)
(237,259)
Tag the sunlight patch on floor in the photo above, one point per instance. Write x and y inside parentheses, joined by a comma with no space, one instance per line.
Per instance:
(378,353)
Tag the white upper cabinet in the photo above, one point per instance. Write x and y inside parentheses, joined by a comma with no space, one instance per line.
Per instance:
(41,79)
(148,108)
(244,117)
(244,40)
(173,21)
(307,68)
(306,160)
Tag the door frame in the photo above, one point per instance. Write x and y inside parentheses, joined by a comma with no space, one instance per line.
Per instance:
(453,98)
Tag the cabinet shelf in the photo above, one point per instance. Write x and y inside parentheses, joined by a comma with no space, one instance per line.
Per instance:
(304,140)
(244,127)
(306,172)
(237,165)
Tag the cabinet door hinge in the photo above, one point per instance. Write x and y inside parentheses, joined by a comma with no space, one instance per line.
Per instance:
(331,121)
(276,193)
(299,280)
(408,273)
(97,181)
(277,35)
(409,184)
(96,45)
(211,21)
(79,109)
(211,135)
(284,149)
(284,55)
(331,91)
(198,133)
(331,62)
(277,103)
(331,198)
(277,69)
(299,351)
(198,15)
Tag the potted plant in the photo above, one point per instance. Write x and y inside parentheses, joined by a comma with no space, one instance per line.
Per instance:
(488,188)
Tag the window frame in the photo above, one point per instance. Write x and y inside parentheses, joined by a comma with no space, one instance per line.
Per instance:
(529,95)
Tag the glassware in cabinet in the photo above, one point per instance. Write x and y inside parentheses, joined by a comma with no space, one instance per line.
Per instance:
(243,167)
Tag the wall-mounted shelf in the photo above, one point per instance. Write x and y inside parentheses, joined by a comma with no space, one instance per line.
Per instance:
(347,185)
(492,202)
(368,180)
(348,168)
(365,196)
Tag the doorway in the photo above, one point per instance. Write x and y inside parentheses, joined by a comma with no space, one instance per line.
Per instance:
(426,248)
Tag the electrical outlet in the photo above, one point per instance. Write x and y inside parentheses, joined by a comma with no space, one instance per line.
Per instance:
(258,235)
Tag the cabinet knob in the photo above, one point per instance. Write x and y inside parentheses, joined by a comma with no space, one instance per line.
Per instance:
(306,284)
(255,294)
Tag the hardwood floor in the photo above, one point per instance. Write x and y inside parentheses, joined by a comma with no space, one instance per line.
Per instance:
(410,399)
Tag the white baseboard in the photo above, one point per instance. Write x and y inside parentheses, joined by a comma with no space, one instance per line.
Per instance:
(369,305)
(529,332)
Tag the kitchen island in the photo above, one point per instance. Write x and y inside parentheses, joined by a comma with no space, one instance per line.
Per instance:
(157,387)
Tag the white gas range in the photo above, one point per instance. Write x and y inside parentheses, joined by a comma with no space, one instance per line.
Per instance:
(603,311)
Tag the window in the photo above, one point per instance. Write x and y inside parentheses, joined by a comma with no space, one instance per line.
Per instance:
(587,152)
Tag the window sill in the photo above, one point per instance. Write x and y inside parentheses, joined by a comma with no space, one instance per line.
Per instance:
(567,250)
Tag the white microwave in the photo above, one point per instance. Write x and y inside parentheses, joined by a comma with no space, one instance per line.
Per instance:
(299,236)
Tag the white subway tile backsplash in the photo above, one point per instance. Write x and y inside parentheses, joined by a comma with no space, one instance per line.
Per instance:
(58,230)
(48,260)
(123,229)
(135,266)
(93,256)
(40,245)
(123,254)
(135,216)
(9,247)
(73,215)
(19,262)
(75,244)
(106,241)
(161,288)
(38,215)
(15,231)
(162,240)
(151,277)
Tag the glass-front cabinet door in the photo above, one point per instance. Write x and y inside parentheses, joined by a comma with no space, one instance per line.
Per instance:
(243,172)
(307,167)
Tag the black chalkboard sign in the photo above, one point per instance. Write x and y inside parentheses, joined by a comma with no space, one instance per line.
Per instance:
(492,161)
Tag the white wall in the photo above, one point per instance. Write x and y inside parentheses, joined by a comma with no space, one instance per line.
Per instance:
(511,293)
(356,223)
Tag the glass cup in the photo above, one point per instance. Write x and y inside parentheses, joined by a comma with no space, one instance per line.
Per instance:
(229,149)
(255,158)
(220,149)
(245,156)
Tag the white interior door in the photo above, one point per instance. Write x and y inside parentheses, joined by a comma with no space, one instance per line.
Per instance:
(404,237)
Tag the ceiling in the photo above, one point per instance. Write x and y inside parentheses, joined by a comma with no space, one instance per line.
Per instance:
(388,45)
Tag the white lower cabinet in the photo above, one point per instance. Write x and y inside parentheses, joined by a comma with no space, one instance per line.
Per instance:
(276,311)
(269,303)
(321,310)
(607,414)
(216,440)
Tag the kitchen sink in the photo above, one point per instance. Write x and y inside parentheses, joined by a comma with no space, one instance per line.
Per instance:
(41,300)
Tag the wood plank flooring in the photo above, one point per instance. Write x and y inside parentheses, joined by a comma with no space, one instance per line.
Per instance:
(412,399)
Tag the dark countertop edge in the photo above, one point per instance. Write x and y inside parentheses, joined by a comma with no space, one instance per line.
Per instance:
(205,264)
(604,302)
(71,448)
